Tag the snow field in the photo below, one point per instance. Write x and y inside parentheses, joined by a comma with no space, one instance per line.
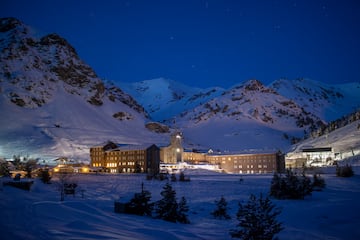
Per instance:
(38,214)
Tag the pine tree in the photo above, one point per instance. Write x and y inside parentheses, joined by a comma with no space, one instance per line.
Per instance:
(257,220)
(183,208)
(318,182)
(4,169)
(290,186)
(167,207)
(29,166)
(44,175)
(137,167)
(221,209)
(140,204)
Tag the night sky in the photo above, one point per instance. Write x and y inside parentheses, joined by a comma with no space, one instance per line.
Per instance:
(205,43)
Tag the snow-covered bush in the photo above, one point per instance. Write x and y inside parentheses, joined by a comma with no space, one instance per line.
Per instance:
(290,186)
(182,178)
(344,171)
(221,209)
(318,182)
(257,220)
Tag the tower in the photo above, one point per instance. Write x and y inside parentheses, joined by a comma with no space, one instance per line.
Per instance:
(176,148)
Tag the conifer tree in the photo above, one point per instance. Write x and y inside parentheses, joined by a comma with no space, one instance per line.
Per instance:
(221,209)
(167,207)
(140,203)
(183,208)
(44,175)
(257,220)
(4,169)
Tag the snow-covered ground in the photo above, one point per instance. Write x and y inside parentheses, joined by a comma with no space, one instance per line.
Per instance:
(38,214)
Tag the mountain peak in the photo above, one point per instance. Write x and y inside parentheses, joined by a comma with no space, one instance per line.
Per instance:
(10,23)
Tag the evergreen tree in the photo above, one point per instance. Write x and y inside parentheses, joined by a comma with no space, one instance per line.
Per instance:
(290,186)
(167,207)
(4,169)
(318,182)
(183,208)
(29,166)
(140,204)
(173,177)
(17,162)
(344,171)
(45,175)
(257,220)
(221,209)
(137,167)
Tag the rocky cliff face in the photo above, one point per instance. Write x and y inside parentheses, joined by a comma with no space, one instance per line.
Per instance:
(33,69)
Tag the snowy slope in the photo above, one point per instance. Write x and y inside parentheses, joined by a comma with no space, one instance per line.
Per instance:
(38,214)
(53,104)
(329,102)
(345,140)
(165,98)
(249,115)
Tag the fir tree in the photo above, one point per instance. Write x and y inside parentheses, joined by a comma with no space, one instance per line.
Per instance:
(29,166)
(344,171)
(290,186)
(44,175)
(137,167)
(140,203)
(182,216)
(167,207)
(221,209)
(4,169)
(257,220)
(318,182)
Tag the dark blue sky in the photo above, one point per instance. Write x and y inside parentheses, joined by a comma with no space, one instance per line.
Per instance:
(205,42)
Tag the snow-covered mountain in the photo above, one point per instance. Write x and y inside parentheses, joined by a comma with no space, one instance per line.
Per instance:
(268,117)
(165,98)
(328,102)
(53,104)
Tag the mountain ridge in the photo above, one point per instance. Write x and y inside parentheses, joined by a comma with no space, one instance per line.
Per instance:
(61,107)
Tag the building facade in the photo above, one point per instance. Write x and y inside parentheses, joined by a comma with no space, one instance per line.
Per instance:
(249,163)
(130,158)
(126,158)
(173,153)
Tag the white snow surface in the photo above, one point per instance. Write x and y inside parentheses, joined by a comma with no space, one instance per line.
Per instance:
(165,98)
(38,214)
(33,132)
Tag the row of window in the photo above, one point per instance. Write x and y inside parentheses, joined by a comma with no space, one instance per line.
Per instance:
(250,166)
(114,164)
(126,152)
(124,170)
(116,158)
(253,171)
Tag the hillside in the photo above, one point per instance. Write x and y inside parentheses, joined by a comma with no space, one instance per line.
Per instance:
(165,98)
(249,115)
(53,104)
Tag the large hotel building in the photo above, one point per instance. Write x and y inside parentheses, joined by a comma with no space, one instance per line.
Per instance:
(134,158)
